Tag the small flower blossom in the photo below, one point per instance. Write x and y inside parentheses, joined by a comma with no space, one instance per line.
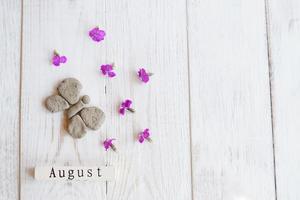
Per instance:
(125,105)
(57,59)
(145,135)
(96,34)
(107,70)
(108,144)
(143,75)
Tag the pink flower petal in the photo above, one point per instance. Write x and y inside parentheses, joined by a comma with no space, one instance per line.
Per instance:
(63,59)
(146,133)
(103,69)
(141,138)
(127,103)
(93,31)
(108,70)
(111,74)
(96,34)
(101,33)
(107,143)
(122,111)
(143,75)
(56,60)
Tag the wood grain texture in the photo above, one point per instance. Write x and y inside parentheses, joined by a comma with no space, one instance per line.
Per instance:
(64,26)
(230,102)
(10,40)
(284,30)
(149,34)
(210,60)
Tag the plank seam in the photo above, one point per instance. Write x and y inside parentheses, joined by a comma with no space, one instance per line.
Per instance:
(20,98)
(270,69)
(105,92)
(189,96)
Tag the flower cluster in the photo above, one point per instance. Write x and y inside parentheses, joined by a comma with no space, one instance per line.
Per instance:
(98,35)
(142,136)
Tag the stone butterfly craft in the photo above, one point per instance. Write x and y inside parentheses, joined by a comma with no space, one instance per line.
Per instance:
(80,117)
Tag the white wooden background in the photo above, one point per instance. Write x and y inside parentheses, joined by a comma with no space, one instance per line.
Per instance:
(223,105)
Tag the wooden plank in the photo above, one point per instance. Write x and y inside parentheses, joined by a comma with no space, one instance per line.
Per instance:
(149,34)
(284,30)
(64,26)
(230,102)
(10,40)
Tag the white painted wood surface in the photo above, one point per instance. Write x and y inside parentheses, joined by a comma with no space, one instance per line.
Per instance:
(232,147)
(208,105)
(284,30)
(60,25)
(145,34)
(10,40)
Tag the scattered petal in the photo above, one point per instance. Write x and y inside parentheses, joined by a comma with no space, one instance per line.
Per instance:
(141,138)
(122,111)
(107,70)
(111,74)
(143,75)
(144,135)
(57,60)
(63,59)
(125,105)
(96,34)
(108,143)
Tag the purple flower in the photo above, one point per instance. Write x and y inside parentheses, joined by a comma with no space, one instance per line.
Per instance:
(108,144)
(107,70)
(125,105)
(96,34)
(144,135)
(57,60)
(143,75)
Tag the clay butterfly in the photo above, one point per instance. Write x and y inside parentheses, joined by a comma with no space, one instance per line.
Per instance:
(80,117)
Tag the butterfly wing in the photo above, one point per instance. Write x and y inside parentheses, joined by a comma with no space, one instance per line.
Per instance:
(56,103)
(76,127)
(93,117)
(70,89)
